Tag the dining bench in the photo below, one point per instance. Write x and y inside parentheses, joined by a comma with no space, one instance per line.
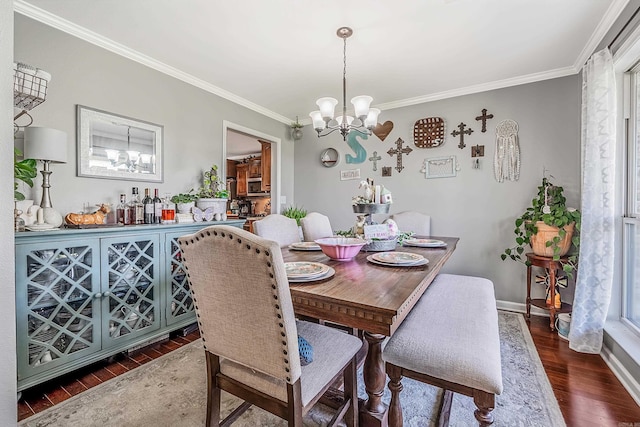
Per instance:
(449,340)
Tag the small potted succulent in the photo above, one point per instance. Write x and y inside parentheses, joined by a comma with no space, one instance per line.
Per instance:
(549,227)
(185,201)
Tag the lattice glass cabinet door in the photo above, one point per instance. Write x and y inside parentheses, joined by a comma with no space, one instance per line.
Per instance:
(130,273)
(58,315)
(180,303)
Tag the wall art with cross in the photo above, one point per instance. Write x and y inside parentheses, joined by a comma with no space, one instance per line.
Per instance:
(398,152)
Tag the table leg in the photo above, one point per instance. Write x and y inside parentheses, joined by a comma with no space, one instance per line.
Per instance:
(552,295)
(374,411)
(528,304)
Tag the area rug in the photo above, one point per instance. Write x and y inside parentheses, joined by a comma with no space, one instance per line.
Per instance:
(171,391)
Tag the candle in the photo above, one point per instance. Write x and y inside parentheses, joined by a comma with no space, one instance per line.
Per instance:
(40,216)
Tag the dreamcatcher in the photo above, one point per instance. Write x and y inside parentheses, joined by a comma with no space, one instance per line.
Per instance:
(506,163)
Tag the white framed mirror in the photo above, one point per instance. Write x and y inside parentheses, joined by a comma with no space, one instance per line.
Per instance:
(118,147)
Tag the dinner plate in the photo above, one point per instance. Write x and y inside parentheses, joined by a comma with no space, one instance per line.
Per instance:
(303,269)
(371,259)
(326,275)
(305,246)
(40,227)
(397,257)
(424,243)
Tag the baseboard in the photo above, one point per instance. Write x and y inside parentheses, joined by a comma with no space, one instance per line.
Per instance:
(518,307)
(624,376)
(618,369)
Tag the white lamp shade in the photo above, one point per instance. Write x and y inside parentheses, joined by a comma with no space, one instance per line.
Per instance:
(316,117)
(45,144)
(133,155)
(327,105)
(112,155)
(372,118)
(361,105)
(339,120)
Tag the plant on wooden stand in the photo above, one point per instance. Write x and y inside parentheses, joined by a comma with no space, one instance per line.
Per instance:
(549,227)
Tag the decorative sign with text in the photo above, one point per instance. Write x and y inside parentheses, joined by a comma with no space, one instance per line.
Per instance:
(377,231)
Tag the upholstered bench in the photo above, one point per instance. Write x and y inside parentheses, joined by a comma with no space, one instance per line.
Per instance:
(449,340)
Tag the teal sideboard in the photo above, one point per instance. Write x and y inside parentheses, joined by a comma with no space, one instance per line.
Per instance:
(84,295)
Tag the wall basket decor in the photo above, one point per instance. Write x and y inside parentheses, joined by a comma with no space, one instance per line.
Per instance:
(382,130)
(506,161)
(429,132)
(440,167)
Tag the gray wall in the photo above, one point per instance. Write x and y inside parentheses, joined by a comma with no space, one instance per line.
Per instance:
(471,206)
(7,262)
(88,75)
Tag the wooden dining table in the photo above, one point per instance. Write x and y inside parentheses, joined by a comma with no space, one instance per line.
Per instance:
(370,297)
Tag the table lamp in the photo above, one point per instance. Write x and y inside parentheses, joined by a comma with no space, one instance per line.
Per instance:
(49,146)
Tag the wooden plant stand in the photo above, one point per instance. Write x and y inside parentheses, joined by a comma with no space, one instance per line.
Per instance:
(552,268)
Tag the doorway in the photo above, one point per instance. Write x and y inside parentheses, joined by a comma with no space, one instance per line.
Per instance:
(252,168)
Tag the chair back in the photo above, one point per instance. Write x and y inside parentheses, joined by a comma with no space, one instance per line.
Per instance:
(279,228)
(315,226)
(242,299)
(417,222)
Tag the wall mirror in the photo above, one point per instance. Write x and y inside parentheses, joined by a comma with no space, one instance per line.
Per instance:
(118,147)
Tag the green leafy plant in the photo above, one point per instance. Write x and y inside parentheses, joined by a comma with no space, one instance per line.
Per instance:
(212,185)
(549,206)
(184,197)
(24,170)
(295,213)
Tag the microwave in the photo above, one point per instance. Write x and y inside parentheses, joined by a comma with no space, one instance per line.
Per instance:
(254,188)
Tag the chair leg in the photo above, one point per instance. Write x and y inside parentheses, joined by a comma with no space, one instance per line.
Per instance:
(213,391)
(351,392)
(395,386)
(485,402)
(294,404)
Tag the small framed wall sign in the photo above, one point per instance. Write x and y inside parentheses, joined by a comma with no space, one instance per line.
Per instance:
(349,174)
(440,167)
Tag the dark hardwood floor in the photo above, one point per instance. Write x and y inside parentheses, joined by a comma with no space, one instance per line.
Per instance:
(587,391)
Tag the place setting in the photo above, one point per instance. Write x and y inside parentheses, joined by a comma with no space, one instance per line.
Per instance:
(305,246)
(424,243)
(302,271)
(397,259)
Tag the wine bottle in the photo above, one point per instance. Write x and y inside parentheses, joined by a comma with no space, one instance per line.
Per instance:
(122,211)
(148,207)
(157,207)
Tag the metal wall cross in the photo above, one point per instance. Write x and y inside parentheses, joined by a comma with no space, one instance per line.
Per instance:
(461,132)
(375,159)
(399,151)
(484,117)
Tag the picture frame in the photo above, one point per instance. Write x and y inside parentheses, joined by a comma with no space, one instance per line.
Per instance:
(112,146)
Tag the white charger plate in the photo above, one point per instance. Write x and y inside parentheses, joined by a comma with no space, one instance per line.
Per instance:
(304,269)
(327,275)
(371,259)
(398,257)
(305,246)
(424,243)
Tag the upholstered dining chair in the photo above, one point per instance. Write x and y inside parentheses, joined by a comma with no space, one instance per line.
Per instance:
(278,227)
(250,336)
(315,226)
(417,222)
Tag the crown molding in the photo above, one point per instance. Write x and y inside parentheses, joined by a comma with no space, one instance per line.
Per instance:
(610,16)
(484,87)
(89,36)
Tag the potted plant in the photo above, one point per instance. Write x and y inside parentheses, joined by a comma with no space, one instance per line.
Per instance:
(213,192)
(23,170)
(185,201)
(549,227)
(295,213)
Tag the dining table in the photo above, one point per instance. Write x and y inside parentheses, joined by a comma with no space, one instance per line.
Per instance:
(370,297)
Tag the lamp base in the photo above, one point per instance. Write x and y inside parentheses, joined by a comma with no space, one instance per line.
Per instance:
(52,217)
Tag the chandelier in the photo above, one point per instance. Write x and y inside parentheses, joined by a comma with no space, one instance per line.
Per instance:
(365,118)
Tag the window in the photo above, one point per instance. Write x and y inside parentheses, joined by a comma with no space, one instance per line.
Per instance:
(631,221)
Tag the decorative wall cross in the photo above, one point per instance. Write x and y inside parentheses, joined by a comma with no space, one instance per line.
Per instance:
(399,151)
(375,159)
(484,117)
(461,132)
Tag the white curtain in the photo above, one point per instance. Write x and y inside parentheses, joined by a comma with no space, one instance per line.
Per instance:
(597,235)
